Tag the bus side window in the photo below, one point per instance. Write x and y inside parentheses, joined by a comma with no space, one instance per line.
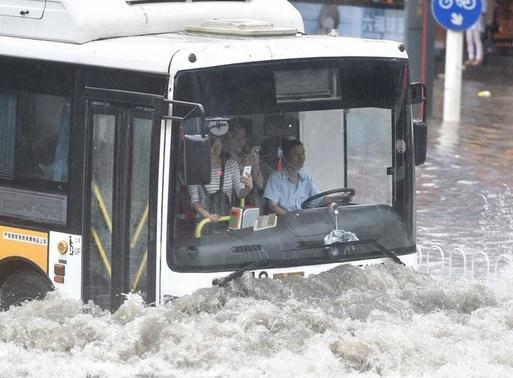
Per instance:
(60,162)
(34,136)
(42,134)
(8,104)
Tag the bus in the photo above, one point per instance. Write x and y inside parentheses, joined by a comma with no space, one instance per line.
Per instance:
(109,111)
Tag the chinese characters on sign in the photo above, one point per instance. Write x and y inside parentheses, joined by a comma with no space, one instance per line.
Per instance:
(352,20)
(24,238)
(377,24)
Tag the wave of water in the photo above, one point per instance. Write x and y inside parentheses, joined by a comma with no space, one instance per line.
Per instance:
(383,320)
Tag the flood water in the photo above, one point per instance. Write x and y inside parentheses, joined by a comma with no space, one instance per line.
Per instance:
(377,321)
(464,194)
(383,320)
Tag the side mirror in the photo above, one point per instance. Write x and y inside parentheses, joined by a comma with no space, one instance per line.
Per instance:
(196,148)
(418,93)
(197,163)
(419,97)
(420,141)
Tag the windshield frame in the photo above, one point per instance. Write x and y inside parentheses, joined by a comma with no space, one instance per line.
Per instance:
(402,196)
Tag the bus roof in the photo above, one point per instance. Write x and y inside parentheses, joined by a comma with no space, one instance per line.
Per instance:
(153,53)
(80,21)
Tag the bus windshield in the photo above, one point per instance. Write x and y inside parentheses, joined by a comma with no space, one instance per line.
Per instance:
(312,167)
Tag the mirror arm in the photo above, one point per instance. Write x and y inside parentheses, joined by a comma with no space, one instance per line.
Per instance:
(194,107)
(424,109)
(423,94)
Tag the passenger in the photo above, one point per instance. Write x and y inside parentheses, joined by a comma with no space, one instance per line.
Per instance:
(286,190)
(244,156)
(205,197)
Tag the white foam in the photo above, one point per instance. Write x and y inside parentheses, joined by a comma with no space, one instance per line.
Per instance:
(384,320)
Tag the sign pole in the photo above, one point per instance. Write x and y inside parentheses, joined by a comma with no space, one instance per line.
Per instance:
(455,16)
(453,76)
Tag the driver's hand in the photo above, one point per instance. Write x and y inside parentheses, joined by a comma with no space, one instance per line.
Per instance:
(331,199)
(326,201)
(339,198)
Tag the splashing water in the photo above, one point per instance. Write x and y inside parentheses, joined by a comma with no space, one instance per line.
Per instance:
(383,320)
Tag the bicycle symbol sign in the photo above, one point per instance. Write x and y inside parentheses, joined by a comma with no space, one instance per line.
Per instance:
(456,15)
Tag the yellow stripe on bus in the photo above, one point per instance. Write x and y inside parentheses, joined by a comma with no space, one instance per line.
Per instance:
(139,229)
(140,271)
(101,249)
(103,207)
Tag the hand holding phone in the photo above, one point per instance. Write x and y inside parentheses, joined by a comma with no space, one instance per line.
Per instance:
(247,170)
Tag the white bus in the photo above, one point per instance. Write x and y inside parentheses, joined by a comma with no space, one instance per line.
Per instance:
(108,109)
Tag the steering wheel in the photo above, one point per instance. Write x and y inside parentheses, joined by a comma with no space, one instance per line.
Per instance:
(343,197)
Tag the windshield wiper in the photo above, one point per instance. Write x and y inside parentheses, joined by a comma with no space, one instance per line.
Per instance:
(314,245)
(389,253)
(222,282)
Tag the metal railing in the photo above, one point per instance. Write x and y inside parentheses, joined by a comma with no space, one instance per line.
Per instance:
(458,263)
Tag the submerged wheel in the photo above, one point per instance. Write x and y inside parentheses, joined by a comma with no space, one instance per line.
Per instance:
(22,285)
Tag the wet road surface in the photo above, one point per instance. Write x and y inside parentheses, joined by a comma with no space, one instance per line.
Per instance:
(463,191)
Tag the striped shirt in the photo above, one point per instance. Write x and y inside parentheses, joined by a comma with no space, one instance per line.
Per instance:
(231,182)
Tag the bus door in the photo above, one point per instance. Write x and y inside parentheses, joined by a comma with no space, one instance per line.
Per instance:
(121,197)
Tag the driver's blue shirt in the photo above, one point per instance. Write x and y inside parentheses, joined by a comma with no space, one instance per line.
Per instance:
(287,195)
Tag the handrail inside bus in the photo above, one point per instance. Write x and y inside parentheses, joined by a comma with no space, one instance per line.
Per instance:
(133,244)
(94,233)
(205,221)
(139,229)
(103,207)
(140,271)
(108,221)
(101,250)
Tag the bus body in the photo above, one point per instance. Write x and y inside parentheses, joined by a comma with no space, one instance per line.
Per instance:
(102,102)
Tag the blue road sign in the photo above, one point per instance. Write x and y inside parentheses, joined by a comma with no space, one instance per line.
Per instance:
(456,15)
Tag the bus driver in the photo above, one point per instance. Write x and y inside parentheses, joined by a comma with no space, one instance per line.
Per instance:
(286,190)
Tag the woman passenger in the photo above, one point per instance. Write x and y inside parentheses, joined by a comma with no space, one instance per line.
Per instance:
(202,196)
(245,156)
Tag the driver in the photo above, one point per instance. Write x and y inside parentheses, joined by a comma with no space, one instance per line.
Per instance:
(286,190)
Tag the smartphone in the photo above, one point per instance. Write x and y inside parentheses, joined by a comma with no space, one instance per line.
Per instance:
(247,170)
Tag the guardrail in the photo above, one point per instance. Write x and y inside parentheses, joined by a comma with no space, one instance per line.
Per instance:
(458,263)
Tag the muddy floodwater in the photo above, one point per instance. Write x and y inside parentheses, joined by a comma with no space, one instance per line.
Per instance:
(383,320)
(376,321)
